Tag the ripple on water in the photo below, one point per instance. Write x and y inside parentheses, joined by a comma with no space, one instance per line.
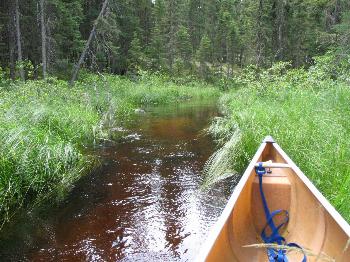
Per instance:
(145,202)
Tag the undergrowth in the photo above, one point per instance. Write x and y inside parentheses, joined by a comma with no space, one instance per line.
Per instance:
(306,111)
(45,127)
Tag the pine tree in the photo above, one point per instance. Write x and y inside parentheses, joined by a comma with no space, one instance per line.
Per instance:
(174,17)
(171,34)
(136,56)
(204,57)
(88,42)
(106,48)
(184,46)
(343,30)
(226,34)
(64,38)
(144,13)
(211,14)
(156,51)
(279,9)
(196,21)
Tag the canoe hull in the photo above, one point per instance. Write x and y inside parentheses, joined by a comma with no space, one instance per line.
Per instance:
(314,224)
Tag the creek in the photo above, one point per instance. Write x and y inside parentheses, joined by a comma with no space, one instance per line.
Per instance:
(144,203)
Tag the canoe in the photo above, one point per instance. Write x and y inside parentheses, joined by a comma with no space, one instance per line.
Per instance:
(310,226)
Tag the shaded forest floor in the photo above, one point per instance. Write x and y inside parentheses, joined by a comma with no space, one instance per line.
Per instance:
(47,126)
(306,111)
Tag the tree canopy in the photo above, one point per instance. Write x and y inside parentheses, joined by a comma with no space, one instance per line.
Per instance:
(172,36)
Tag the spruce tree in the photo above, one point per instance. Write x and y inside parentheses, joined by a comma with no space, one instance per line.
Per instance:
(204,57)
(196,21)
(156,49)
(184,47)
(135,55)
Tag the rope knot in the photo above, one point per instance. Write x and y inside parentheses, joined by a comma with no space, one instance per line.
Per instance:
(260,170)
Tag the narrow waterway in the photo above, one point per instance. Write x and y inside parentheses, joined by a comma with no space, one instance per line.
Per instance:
(144,203)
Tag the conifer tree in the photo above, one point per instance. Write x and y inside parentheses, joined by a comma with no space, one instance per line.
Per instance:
(156,49)
(343,30)
(204,56)
(170,33)
(184,46)
(196,21)
(136,55)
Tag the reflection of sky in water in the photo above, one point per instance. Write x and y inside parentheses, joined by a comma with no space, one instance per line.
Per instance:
(144,204)
(89,249)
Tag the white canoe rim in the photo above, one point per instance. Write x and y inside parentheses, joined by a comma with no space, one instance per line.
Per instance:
(314,223)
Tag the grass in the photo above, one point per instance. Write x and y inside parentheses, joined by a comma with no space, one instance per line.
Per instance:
(306,111)
(309,253)
(45,127)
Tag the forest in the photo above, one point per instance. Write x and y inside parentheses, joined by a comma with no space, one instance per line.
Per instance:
(207,39)
(71,70)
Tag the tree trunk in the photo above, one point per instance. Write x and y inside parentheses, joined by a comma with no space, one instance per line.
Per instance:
(87,45)
(12,40)
(19,45)
(280,5)
(43,37)
(240,58)
(260,46)
(171,40)
(173,28)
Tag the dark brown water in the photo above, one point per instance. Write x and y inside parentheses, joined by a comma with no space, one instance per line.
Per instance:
(143,204)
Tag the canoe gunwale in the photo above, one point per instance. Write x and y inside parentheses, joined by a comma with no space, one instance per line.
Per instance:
(217,228)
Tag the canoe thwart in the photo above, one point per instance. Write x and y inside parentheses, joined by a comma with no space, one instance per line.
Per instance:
(269,164)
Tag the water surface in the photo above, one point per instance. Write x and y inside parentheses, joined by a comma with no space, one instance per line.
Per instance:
(144,203)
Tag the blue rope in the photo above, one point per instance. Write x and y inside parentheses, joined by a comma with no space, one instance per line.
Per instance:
(274,255)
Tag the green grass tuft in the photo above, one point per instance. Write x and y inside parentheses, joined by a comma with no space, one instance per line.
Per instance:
(45,127)
(307,112)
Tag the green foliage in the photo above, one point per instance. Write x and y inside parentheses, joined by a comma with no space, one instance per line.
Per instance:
(306,111)
(204,53)
(204,57)
(343,29)
(66,17)
(45,126)
(184,44)
(2,76)
(156,52)
(170,35)
(196,21)
(136,56)
(184,59)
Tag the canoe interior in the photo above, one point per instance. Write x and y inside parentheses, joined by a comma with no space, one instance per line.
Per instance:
(313,224)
